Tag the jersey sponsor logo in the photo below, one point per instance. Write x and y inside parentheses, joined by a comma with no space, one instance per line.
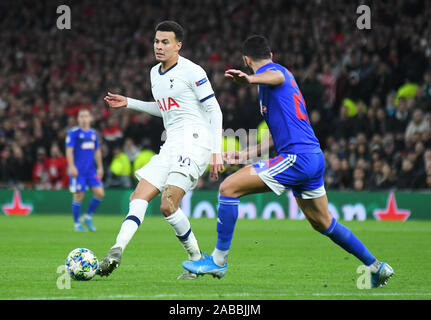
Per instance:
(87,145)
(167,105)
(201,82)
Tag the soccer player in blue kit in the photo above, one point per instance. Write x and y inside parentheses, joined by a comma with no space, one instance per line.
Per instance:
(299,166)
(85,168)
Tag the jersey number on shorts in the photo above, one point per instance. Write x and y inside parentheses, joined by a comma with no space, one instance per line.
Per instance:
(184,162)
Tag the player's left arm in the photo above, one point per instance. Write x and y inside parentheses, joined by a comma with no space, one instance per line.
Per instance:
(204,92)
(269,77)
(216,124)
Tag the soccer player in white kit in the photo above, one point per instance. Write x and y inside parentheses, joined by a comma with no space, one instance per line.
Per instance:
(191,115)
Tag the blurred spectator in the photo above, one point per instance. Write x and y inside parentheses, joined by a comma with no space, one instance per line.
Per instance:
(333,173)
(426,87)
(418,124)
(40,171)
(21,170)
(358,185)
(320,127)
(131,150)
(390,104)
(6,167)
(312,90)
(112,132)
(405,176)
(57,169)
(382,176)
(120,169)
(328,81)
(400,118)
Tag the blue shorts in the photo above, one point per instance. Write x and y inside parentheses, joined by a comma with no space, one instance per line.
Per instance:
(82,182)
(303,173)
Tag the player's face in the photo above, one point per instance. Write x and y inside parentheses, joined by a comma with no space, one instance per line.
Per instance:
(166,46)
(84,119)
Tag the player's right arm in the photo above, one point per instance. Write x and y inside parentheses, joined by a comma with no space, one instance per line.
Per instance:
(70,144)
(269,77)
(70,162)
(119,101)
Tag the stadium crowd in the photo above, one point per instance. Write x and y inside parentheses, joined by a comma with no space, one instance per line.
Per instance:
(368,92)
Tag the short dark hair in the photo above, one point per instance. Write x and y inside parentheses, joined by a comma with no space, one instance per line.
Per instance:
(173,26)
(256,47)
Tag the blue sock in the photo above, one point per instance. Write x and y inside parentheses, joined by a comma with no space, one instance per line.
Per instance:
(76,210)
(342,236)
(94,204)
(226,219)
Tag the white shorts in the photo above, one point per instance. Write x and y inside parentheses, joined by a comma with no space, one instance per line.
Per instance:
(189,160)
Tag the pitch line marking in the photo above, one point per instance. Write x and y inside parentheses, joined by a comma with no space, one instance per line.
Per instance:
(238,294)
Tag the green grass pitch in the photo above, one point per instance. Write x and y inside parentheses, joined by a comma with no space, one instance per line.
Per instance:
(270,259)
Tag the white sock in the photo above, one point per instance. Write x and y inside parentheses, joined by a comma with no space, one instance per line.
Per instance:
(181,224)
(137,208)
(220,257)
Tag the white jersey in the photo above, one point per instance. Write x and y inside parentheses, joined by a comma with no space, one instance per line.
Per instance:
(179,93)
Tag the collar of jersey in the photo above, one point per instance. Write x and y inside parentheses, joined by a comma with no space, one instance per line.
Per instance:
(162,73)
(264,67)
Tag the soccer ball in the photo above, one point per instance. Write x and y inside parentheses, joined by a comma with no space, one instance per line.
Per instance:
(81,263)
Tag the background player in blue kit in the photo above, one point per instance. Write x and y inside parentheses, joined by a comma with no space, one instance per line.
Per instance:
(84,159)
(299,166)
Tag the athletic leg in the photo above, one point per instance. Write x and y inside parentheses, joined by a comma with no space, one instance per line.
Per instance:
(317,213)
(170,208)
(78,197)
(243,182)
(139,200)
(98,195)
